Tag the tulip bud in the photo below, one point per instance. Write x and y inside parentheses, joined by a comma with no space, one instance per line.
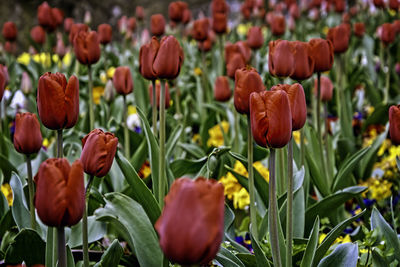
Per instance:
(386,33)
(10,47)
(219,6)
(186,16)
(222,92)
(27,136)
(255,37)
(247,81)
(98,151)
(379,3)
(139,13)
(297,101)
(359,29)
(58,16)
(394,5)
(109,91)
(235,62)
(244,50)
(60,48)
(294,11)
(394,124)
(200,29)
(175,11)
(271,119)
(132,24)
(322,52)
(326,89)
(60,192)
(158,91)
(49,18)
(219,23)
(123,80)
(105,33)
(169,59)
(205,45)
(245,9)
(280,58)
(157,24)
(340,37)
(303,61)
(26,83)
(340,6)
(10,31)
(87,18)
(87,47)
(75,29)
(147,56)
(200,205)
(278,25)
(68,22)
(58,101)
(38,35)
(396,26)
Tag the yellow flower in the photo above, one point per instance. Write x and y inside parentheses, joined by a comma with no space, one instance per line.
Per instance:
(216,137)
(196,138)
(262,170)
(241,199)
(370,109)
(110,72)
(392,12)
(231,185)
(325,30)
(131,110)
(296,137)
(55,58)
(98,92)
(385,145)
(322,237)
(345,239)
(198,71)
(380,189)
(45,142)
(67,60)
(6,190)
(240,168)
(103,77)
(24,58)
(242,29)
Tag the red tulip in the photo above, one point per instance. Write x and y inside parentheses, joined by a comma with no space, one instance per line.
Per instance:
(278,25)
(386,33)
(98,151)
(49,18)
(222,92)
(186,16)
(68,22)
(87,47)
(379,3)
(219,6)
(60,193)
(147,56)
(10,31)
(326,89)
(394,124)
(123,80)
(38,35)
(219,23)
(75,29)
(169,58)
(394,4)
(58,16)
(359,29)
(322,52)
(235,62)
(340,37)
(396,26)
(105,33)
(340,6)
(175,11)
(193,237)
(271,119)
(27,137)
(247,81)
(255,37)
(297,101)
(303,61)
(200,29)
(244,50)
(158,90)
(139,13)
(58,101)
(132,24)
(294,11)
(205,45)
(280,58)
(157,24)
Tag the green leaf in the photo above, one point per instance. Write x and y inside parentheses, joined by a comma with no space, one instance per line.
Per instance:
(366,161)
(227,258)
(229,217)
(96,230)
(131,221)
(261,259)
(378,260)
(181,167)
(311,245)
(6,167)
(141,193)
(344,255)
(70,257)
(172,140)
(248,260)
(28,246)
(111,256)
(19,208)
(347,167)
(331,237)
(384,230)
(193,149)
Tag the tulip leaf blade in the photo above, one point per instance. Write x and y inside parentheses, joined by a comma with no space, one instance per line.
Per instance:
(19,208)
(6,167)
(344,255)
(311,245)
(227,258)
(111,256)
(173,140)
(96,230)
(141,192)
(132,222)
(182,167)
(261,259)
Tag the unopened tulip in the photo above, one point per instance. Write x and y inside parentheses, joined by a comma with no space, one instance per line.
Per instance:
(394,124)
(219,6)
(27,136)
(379,3)
(186,16)
(294,11)
(87,47)
(386,33)
(123,80)
(10,31)
(60,192)
(147,56)
(278,25)
(4,71)
(303,61)
(49,18)
(247,81)
(200,206)
(175,11)
(58,16)
(26,83)
(205,45)
(200,29)
(222,92)
(245,50)
(359,29)
(245,9)
(38,35)
(60,49)
(280,58)
(219,23)
(10,47)
(139,12)
(322,52)
(271,119)
(340,6)
(394,4)
(58,101)
(326,88)
(158,90)
(68,22)
(98,151)
(396,26)
(235,62)
(157,24)
(75,29)
(105,33)
(255,37)
(297,100)
(169,59)
(132,24)
(340,37)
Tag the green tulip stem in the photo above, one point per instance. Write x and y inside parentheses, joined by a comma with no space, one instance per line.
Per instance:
(31,192)
(126,130)
(161,165)
(221,52)
(289,210)
(59,143)
(91,108)
(85,224)
(302,147)
(319,132)
(62,260)
(237,130)
(154,107)
(328,159)
(253,211)
(273,212)
(387,85)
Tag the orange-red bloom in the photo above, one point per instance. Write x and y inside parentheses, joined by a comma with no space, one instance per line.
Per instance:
(10,31)
(87,47)
(303,61)
(68,22)
(60,193)
(123,80)
(205,45)
(75,29)
(359,29)
(297,101)
(147,55)
(255,38)
(394,4)
(158,91)
(38,35)
(139,13)
(219,23)
(244,50)
(222,92)
(186,16)
(281,58)
(58,101)
(379,3)
(175,10)
(326,88)
(235,62)
(271,119)
(132,24)
(98,151)
(169,58)
(386,33)
(49,18)
(105,33)
(27,137)
(157,24)
(322,52)
(278,25)
(340,37)
(200,205)
(200,29)
(247,81)
(219,6)
(394,124)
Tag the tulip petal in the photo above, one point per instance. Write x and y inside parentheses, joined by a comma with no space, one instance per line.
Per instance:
(75,195)
(72,102)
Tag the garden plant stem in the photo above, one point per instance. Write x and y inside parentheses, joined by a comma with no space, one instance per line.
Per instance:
(162,176)
(387,86)
(126,130)
(289,210)
(154,107)
(62,260)
(31,192)
(328,159)
(319,133)
(273,212)
(91,108)
(85,225)
(253,211)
